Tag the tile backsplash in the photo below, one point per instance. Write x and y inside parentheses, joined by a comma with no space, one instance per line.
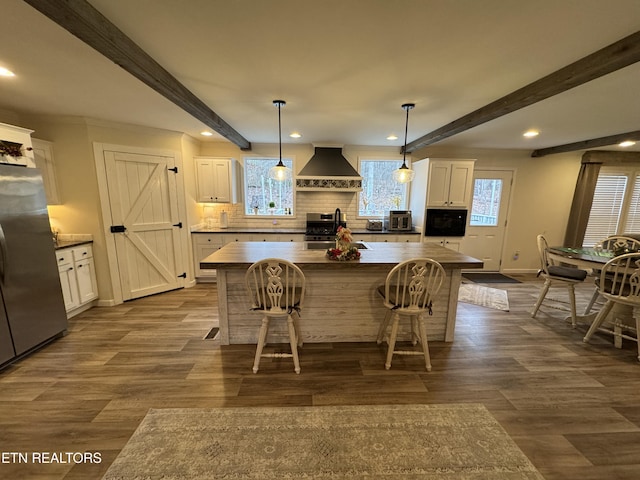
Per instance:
(305,202)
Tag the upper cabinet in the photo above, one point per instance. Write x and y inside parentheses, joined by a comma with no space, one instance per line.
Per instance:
(16,141)
(216,180)
(44,160)
(450,183)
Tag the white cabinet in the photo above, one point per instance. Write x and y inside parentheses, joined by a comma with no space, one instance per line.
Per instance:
(44,160)
(203,246)
(216,180)
(77,278)
(448,242)
(450,183)
(68,279)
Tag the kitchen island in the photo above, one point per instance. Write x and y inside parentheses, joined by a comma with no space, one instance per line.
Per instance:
(341,303)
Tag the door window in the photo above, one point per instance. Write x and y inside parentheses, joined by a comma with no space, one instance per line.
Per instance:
(485,208)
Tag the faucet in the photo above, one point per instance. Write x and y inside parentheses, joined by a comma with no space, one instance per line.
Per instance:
(336,220)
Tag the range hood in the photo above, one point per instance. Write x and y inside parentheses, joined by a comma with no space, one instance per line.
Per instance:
(328,170)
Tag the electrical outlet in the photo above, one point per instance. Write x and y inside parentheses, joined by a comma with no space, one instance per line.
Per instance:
(516,255)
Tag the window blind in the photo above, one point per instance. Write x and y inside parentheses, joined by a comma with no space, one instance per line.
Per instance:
(606,207)
(632,220)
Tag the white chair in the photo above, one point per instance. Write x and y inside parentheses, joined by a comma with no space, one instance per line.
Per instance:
(615,243)
(557,275)
(276,289)
(408,292)
(619,284)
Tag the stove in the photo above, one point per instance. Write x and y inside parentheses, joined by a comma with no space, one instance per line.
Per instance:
(322,226)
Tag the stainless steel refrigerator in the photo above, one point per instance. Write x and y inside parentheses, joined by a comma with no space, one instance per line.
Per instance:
(31,305)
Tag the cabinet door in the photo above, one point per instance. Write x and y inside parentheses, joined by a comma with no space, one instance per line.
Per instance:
(43,157)
(69,284)
(438,186)
(86,277)
(452,243)
(214,180)
(460,184)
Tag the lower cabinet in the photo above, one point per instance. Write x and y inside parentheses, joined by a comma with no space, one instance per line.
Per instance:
(448,242)
(204,244)
(77,278)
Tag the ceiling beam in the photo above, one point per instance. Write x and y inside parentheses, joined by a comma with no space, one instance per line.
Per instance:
(606,60)
(89,25)
(586,144)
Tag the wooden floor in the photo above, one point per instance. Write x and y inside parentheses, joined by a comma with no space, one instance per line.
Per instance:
(573,408)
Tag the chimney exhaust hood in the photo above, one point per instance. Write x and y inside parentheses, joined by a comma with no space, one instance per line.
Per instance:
(328,170)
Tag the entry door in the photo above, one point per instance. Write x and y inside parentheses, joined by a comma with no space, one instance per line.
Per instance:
(488,217)
(145,223)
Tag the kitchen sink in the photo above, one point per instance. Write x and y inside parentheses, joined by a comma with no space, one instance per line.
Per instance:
(327,245)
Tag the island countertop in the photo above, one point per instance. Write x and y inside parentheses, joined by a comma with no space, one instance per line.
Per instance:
(243,254)
(341,302)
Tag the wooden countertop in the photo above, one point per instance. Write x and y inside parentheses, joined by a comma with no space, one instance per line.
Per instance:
(243,254)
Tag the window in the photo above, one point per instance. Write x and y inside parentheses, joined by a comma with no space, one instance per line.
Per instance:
(263,195)
(616,205)
(379,192)
(485,208)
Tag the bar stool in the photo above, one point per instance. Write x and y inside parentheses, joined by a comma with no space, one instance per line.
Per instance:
(408,292)
(276,289)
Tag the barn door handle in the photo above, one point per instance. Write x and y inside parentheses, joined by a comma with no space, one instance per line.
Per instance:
(174,169)
(118,228)
(179,224)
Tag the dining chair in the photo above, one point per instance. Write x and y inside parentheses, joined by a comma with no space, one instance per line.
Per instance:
(614,243)
(619,285)
(557,275)
(276,289)
(408,292)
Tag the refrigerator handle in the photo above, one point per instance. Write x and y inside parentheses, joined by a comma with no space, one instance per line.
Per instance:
(3,254)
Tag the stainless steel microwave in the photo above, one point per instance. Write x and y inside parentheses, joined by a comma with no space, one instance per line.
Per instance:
(445,222)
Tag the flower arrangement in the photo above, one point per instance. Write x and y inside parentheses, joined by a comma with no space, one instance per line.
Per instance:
(343,249)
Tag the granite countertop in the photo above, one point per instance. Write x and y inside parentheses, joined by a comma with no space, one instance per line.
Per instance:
(243,254)
(275,230)
(59,245)
(301,231)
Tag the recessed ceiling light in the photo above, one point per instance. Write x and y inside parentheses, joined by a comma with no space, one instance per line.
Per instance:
(206,134)
(531,133)
(392,137)
(5,72)
(627,143)
(295,135)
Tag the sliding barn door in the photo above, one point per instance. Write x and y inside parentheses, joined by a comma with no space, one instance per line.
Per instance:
(145,222)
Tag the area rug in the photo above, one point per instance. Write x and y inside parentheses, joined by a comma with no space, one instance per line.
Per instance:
(484,296)
(430,442)
(488,277)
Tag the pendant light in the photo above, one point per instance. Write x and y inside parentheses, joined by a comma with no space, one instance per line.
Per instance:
(404,174)
(280,172)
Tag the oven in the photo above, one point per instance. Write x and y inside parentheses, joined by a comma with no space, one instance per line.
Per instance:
(321,227)
(445,222)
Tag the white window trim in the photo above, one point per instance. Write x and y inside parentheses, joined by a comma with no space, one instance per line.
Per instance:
(293,180)
(378,158)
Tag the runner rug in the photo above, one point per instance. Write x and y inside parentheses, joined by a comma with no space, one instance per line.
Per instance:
(484,296)
(460,441)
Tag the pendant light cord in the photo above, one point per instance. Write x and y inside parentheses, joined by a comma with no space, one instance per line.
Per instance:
(407,107)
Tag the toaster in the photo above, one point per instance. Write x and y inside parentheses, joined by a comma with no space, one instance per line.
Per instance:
(374,225)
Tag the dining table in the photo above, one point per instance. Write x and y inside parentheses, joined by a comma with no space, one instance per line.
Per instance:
(592,259)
